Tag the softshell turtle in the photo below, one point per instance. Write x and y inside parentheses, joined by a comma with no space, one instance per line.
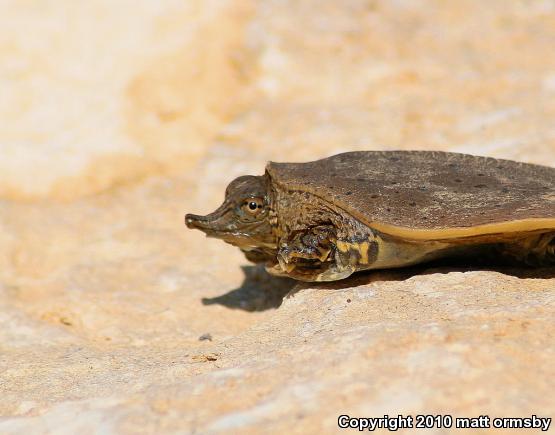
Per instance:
(324,220)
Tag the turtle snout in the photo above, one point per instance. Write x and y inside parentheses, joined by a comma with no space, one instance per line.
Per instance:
(194,221)
(212,224)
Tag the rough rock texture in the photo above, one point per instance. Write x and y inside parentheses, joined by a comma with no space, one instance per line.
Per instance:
(116,123)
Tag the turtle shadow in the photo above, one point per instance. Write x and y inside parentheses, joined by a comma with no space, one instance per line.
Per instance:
(443,266)
(261,291)
(500,265)
(364,278)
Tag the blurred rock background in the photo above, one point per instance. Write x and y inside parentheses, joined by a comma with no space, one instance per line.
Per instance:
(118,117)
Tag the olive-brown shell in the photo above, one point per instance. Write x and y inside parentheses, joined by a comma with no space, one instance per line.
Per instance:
(427,194)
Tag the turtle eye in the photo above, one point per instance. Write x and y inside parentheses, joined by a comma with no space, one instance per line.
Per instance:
(253,206)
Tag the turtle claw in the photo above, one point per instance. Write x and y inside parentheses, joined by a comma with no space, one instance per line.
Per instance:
(285,263)
(310,272)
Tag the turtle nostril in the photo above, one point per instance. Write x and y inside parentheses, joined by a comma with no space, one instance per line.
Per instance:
(191,220)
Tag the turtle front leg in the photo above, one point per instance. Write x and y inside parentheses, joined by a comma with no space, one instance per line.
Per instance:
(310,256)
(315,244)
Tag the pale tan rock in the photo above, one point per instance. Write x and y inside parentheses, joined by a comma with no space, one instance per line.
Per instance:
(136,112)
(105,93)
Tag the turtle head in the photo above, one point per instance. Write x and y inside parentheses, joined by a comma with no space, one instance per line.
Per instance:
(243,218)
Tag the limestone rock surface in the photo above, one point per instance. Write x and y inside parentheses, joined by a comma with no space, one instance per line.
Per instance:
(119,117)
